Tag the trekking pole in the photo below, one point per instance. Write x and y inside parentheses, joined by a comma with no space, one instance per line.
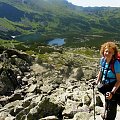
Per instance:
(94,100)
(106,107)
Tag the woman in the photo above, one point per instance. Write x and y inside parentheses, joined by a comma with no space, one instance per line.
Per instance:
(110,80)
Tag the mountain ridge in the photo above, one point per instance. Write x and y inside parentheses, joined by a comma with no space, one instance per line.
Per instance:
(57,17)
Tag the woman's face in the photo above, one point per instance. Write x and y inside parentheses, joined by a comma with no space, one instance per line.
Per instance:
(108,52)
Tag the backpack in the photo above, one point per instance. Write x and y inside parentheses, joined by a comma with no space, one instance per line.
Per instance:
(112,62)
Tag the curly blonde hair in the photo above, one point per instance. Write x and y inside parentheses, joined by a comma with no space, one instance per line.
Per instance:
(111,45)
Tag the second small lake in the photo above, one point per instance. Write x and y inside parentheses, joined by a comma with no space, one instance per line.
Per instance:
(56,41)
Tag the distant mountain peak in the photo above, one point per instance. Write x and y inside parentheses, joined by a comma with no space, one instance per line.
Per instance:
(56,16)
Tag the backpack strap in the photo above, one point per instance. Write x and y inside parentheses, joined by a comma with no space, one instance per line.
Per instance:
(103,66)
(110,66)
(107,72)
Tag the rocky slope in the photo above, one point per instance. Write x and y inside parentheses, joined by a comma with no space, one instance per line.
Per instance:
(33,89)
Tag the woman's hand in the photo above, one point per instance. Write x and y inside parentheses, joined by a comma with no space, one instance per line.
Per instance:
(109,95)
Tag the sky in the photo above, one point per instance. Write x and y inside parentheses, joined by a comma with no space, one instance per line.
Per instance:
(99,3)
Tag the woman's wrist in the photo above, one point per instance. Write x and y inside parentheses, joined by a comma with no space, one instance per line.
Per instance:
(97,81)
(112,92)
